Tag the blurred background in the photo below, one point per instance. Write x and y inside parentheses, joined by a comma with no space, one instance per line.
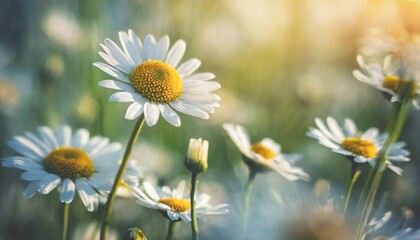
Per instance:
(281,63)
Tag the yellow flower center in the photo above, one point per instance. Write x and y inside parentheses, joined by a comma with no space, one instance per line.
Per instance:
(395,83)
(69,162)
(177,205)
(156,81)
(360,147)
(264,151)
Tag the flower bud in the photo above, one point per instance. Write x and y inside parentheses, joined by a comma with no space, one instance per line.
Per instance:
(196,160)
(134,234)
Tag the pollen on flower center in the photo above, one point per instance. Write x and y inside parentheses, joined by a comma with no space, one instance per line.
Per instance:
(69,162)
(360,147)
(157,81)
(177,205)
(395,83)
(264,151)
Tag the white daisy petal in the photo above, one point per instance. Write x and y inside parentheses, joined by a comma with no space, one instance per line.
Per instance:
(151,113)
(169,115)
(122,97)
(189,67)
(87,194)
(176,53)
(111,84)
(200,77)
(47,135)
(68,190)
(63,135)
(149,49)
(134,111)
(31,190)
(112,72)
(49,183)
(80,138)
(162,48)
(189,109)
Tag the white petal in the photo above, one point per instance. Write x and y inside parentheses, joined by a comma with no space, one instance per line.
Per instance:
(151,192)
(239,136)
(112,71)
(26,147)
(47,136)
(68,189)
(33,175)
(122,97)
(63,135)
(49,183)
(169,115)
(335,129)
(189,67)
(151,113)
(162,48)
(31,190)
(133,111)
(176,53)
(119,56)
(111,84)
(189,109)
(149,48)
(87,195)
(80,138)
(200,77)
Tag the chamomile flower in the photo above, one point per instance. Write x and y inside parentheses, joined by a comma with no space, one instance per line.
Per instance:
(68,161)
(359,146)
(388,78)
(175,203)
(264,155)
(148,75)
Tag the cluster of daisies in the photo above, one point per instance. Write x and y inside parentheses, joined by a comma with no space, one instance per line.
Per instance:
(149,76)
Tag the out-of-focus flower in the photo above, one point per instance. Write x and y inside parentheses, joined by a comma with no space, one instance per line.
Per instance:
(92,232)
(359,146)
(265,155)
(62,28)
(196,160)
(148,76)
(321,223)
(388,78)
(68,162)
(9,94)
(378,45)
(175,203)
(134,234)
(87,108)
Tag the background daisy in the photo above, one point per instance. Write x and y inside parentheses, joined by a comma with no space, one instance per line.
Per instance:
(265,155)
(175,202)
(68,161)
(359,146)
(148,75)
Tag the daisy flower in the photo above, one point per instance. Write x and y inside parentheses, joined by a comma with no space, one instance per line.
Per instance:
(360,146)
(69,162)
(175,203)
(265,155)
(387,78)
(148,75)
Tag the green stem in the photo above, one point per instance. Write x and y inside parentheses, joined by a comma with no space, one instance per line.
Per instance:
(354,175)
(395,126)
(65,208)
(118,177)
(171,229)
(194,224)
(247,201)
